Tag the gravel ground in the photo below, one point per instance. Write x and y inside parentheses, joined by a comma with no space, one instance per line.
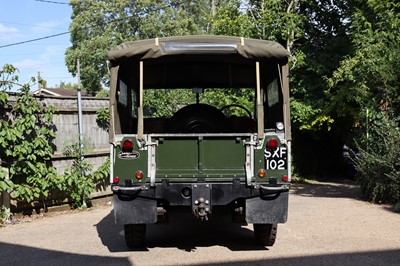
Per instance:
(328,225)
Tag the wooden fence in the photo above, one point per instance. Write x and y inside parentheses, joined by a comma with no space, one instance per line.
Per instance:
(66,122)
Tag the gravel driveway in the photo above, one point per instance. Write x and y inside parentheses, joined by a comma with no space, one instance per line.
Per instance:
(328,225)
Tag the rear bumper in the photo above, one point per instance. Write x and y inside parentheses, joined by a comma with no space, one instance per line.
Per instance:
(264,204)
(173,193)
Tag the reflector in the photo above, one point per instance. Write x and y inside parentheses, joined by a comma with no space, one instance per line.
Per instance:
(285,178)
(261,173)
(139,174)
(280,126)
(116,179)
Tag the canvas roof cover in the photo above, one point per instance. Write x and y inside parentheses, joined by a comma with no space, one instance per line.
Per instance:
(197,61)
(244,48)
(206,61)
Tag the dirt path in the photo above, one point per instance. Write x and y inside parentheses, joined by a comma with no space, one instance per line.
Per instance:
(328,225)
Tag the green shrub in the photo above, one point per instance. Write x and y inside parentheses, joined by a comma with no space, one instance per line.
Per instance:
(379,164)
(79,180)
(102,118)
(26,135)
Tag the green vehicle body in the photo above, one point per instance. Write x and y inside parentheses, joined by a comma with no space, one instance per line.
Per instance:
(199,160)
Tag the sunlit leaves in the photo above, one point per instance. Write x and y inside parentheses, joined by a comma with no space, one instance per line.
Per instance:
(98,26)
(78,180)
(25,139)
(378,164)
(371,73)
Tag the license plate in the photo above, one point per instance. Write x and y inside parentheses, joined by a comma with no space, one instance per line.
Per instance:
(276,159)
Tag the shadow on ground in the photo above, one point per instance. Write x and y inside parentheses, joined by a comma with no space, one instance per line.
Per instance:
(370,258)
(334,189)
(186,233)
(343,188)
(183,232)
(12,254)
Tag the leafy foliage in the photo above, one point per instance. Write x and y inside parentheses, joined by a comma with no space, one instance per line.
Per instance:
(379,165)
(324,43)
(5,214)
(309,118)
(268,20)
(164,103)
(369,78)
(98,26)
(229,20)
(26,134)
(221,98)
(79,180)
(102,118)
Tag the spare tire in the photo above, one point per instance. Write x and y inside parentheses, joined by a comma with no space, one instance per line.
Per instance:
(198,118)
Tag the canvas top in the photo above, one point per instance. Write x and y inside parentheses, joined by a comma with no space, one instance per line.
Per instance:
(207,46)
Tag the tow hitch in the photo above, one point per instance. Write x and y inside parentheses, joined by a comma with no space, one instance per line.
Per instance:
(201,201)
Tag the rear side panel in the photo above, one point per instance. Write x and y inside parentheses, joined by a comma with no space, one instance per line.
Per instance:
(125,167)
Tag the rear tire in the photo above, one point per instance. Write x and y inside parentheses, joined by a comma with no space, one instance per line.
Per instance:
(265,234)
(135,235)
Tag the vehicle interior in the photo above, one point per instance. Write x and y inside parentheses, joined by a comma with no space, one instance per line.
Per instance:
(210,109)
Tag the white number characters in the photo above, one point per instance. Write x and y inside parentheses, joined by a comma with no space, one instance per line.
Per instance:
(275,159)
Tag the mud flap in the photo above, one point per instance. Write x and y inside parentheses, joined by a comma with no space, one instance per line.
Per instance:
(137,211)
(267,210)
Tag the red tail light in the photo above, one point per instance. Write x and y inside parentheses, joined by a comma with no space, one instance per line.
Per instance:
(127,145)
(116,180)
(285,178)
(273,143)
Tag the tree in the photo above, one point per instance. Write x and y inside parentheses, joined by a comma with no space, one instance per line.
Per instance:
(98,26)
(377,163)
(273,20)
(67,86)
(369,78)
(308,29)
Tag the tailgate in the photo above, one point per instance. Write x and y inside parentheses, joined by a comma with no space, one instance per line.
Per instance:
(212,157)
